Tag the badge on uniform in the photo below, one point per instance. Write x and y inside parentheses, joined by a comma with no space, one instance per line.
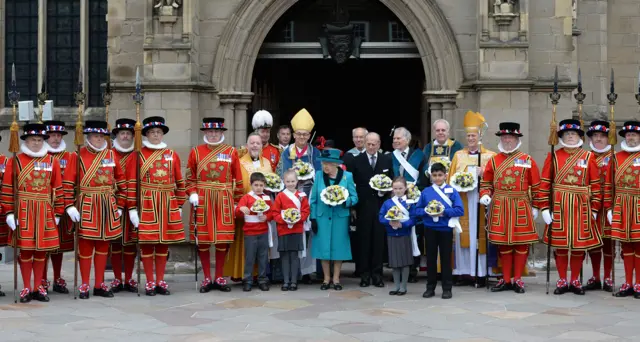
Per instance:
(168,157)
(42,166)
(273,158)
(108,163)
(63,163)
(522,163)
(3,167)
(605,162)
(636,162)
(582,163)
(448,190)
(224,157)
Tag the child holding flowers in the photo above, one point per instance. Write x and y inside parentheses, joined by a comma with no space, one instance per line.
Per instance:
(290,211)
(395,216)
(439,207)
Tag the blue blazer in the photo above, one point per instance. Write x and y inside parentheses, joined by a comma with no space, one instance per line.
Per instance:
(406,225)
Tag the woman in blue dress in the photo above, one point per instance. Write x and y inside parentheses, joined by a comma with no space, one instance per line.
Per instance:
(330,221)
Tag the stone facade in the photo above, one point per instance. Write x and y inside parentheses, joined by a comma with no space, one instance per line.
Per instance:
(497,57)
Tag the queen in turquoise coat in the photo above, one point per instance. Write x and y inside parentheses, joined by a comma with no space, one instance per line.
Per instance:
(330,224)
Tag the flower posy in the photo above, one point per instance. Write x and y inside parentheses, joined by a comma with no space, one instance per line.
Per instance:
(259,206)
(381,183)
(413,193)
(463,181)
(434,208)
(394,214)
(274,183)
(303,170)
(291,216)
(334,195)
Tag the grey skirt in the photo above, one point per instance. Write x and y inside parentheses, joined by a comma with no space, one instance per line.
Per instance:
(290,242)
(400,251)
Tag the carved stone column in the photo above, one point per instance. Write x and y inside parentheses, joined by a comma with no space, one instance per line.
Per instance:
(229,121)
(240,126)
(234,109)
(442,104)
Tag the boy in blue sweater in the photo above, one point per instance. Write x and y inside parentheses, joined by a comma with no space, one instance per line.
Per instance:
(439,207)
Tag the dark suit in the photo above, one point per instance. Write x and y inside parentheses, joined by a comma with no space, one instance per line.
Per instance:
(370,233)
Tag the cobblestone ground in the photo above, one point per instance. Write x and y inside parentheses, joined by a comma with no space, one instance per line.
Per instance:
(309,314)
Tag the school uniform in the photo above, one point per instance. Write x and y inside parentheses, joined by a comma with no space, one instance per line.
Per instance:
(290,237)
(439,232)
(256,239)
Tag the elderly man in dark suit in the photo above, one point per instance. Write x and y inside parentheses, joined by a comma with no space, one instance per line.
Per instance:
(370,234)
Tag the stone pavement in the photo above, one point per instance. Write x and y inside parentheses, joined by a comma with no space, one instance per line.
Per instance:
(309,314)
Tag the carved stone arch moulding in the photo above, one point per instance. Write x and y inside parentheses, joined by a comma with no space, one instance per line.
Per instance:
(246,30)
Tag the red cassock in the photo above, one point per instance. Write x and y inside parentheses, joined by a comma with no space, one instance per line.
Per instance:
(163,194)
(102,193)
(625,225)
(40,199)
(213,172)
(4,229)
(272,153)
(129,236)
(510,179)
(604,164)
(577,195)
(65,227)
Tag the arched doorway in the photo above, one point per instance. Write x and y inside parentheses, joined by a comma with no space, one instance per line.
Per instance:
(245,32)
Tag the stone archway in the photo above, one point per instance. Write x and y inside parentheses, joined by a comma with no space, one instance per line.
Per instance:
(246,30)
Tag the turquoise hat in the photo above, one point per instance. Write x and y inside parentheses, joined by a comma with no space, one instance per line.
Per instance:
(330,155)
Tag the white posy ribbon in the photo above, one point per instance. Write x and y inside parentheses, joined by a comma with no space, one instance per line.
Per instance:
(414,238)
(307,224)
(454,222)
(405,164)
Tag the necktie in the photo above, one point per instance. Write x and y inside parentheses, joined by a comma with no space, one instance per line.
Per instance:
(373,162)
(404,155)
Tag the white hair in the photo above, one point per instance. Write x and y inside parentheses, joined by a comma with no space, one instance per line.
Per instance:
(253,134)
(353,131)
(373,134)
(443,121)
(405,133)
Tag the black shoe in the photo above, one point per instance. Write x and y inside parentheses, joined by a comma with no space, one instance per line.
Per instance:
(481,282)
(561,290)
(576,288)
(246,287)
(130,288)
(401,293)
(337,287)
(306,279)
(501,286)
(84,295)
(324,286)
(102,292)
(293,287)
(25,299)
(462,281)
(220,287)
(162,291)
(606,286)
(284,287)
(36,295)
(364,283)
(150,292)
(377,282)
(446,294)
(263,287)
(60,289)
(413,278)
(428,293)
(2,294)
(393,293)
(625,293)
(593,284)
(518,286)
(206,288)
(114,289)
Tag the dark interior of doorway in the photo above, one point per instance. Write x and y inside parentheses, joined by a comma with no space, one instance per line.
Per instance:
(374,93)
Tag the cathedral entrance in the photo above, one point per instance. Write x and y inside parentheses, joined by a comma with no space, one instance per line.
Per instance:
(372,93)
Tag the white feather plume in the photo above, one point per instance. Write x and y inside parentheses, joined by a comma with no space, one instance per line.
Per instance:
(262,118)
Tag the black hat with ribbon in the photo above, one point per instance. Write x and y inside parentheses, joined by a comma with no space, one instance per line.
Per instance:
(509,128)
(34,129)
(55,126)
(123,124)
(598,126)
(213,123)
(154,122)
(570,125)
(95,126)
(630,126)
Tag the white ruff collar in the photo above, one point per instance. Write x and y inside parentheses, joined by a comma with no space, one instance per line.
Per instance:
(159,146)
(43,151)
(509,152)
(121,149)
(204,137)
(626,147)
(594,149)
(61,148)
(578,144)
(96,148)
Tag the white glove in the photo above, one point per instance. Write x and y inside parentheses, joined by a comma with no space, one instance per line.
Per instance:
(119,213)
(180,212)
(11,222)
(485,200)
(609,216)
(546,216)
(534,212)
(595,216)
(57,220)
(193,199)
(73,214)
(133,217)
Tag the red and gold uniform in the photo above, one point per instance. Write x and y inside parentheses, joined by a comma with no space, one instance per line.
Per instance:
(214,181)
(4,229)
(162,196)
(123,251)
(577,197)
(508,181)
(65,227)
(625,212)
(100,200)
(40,202)
(603,159)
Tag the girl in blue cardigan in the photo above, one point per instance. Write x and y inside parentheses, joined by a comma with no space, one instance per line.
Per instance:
(395,216)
